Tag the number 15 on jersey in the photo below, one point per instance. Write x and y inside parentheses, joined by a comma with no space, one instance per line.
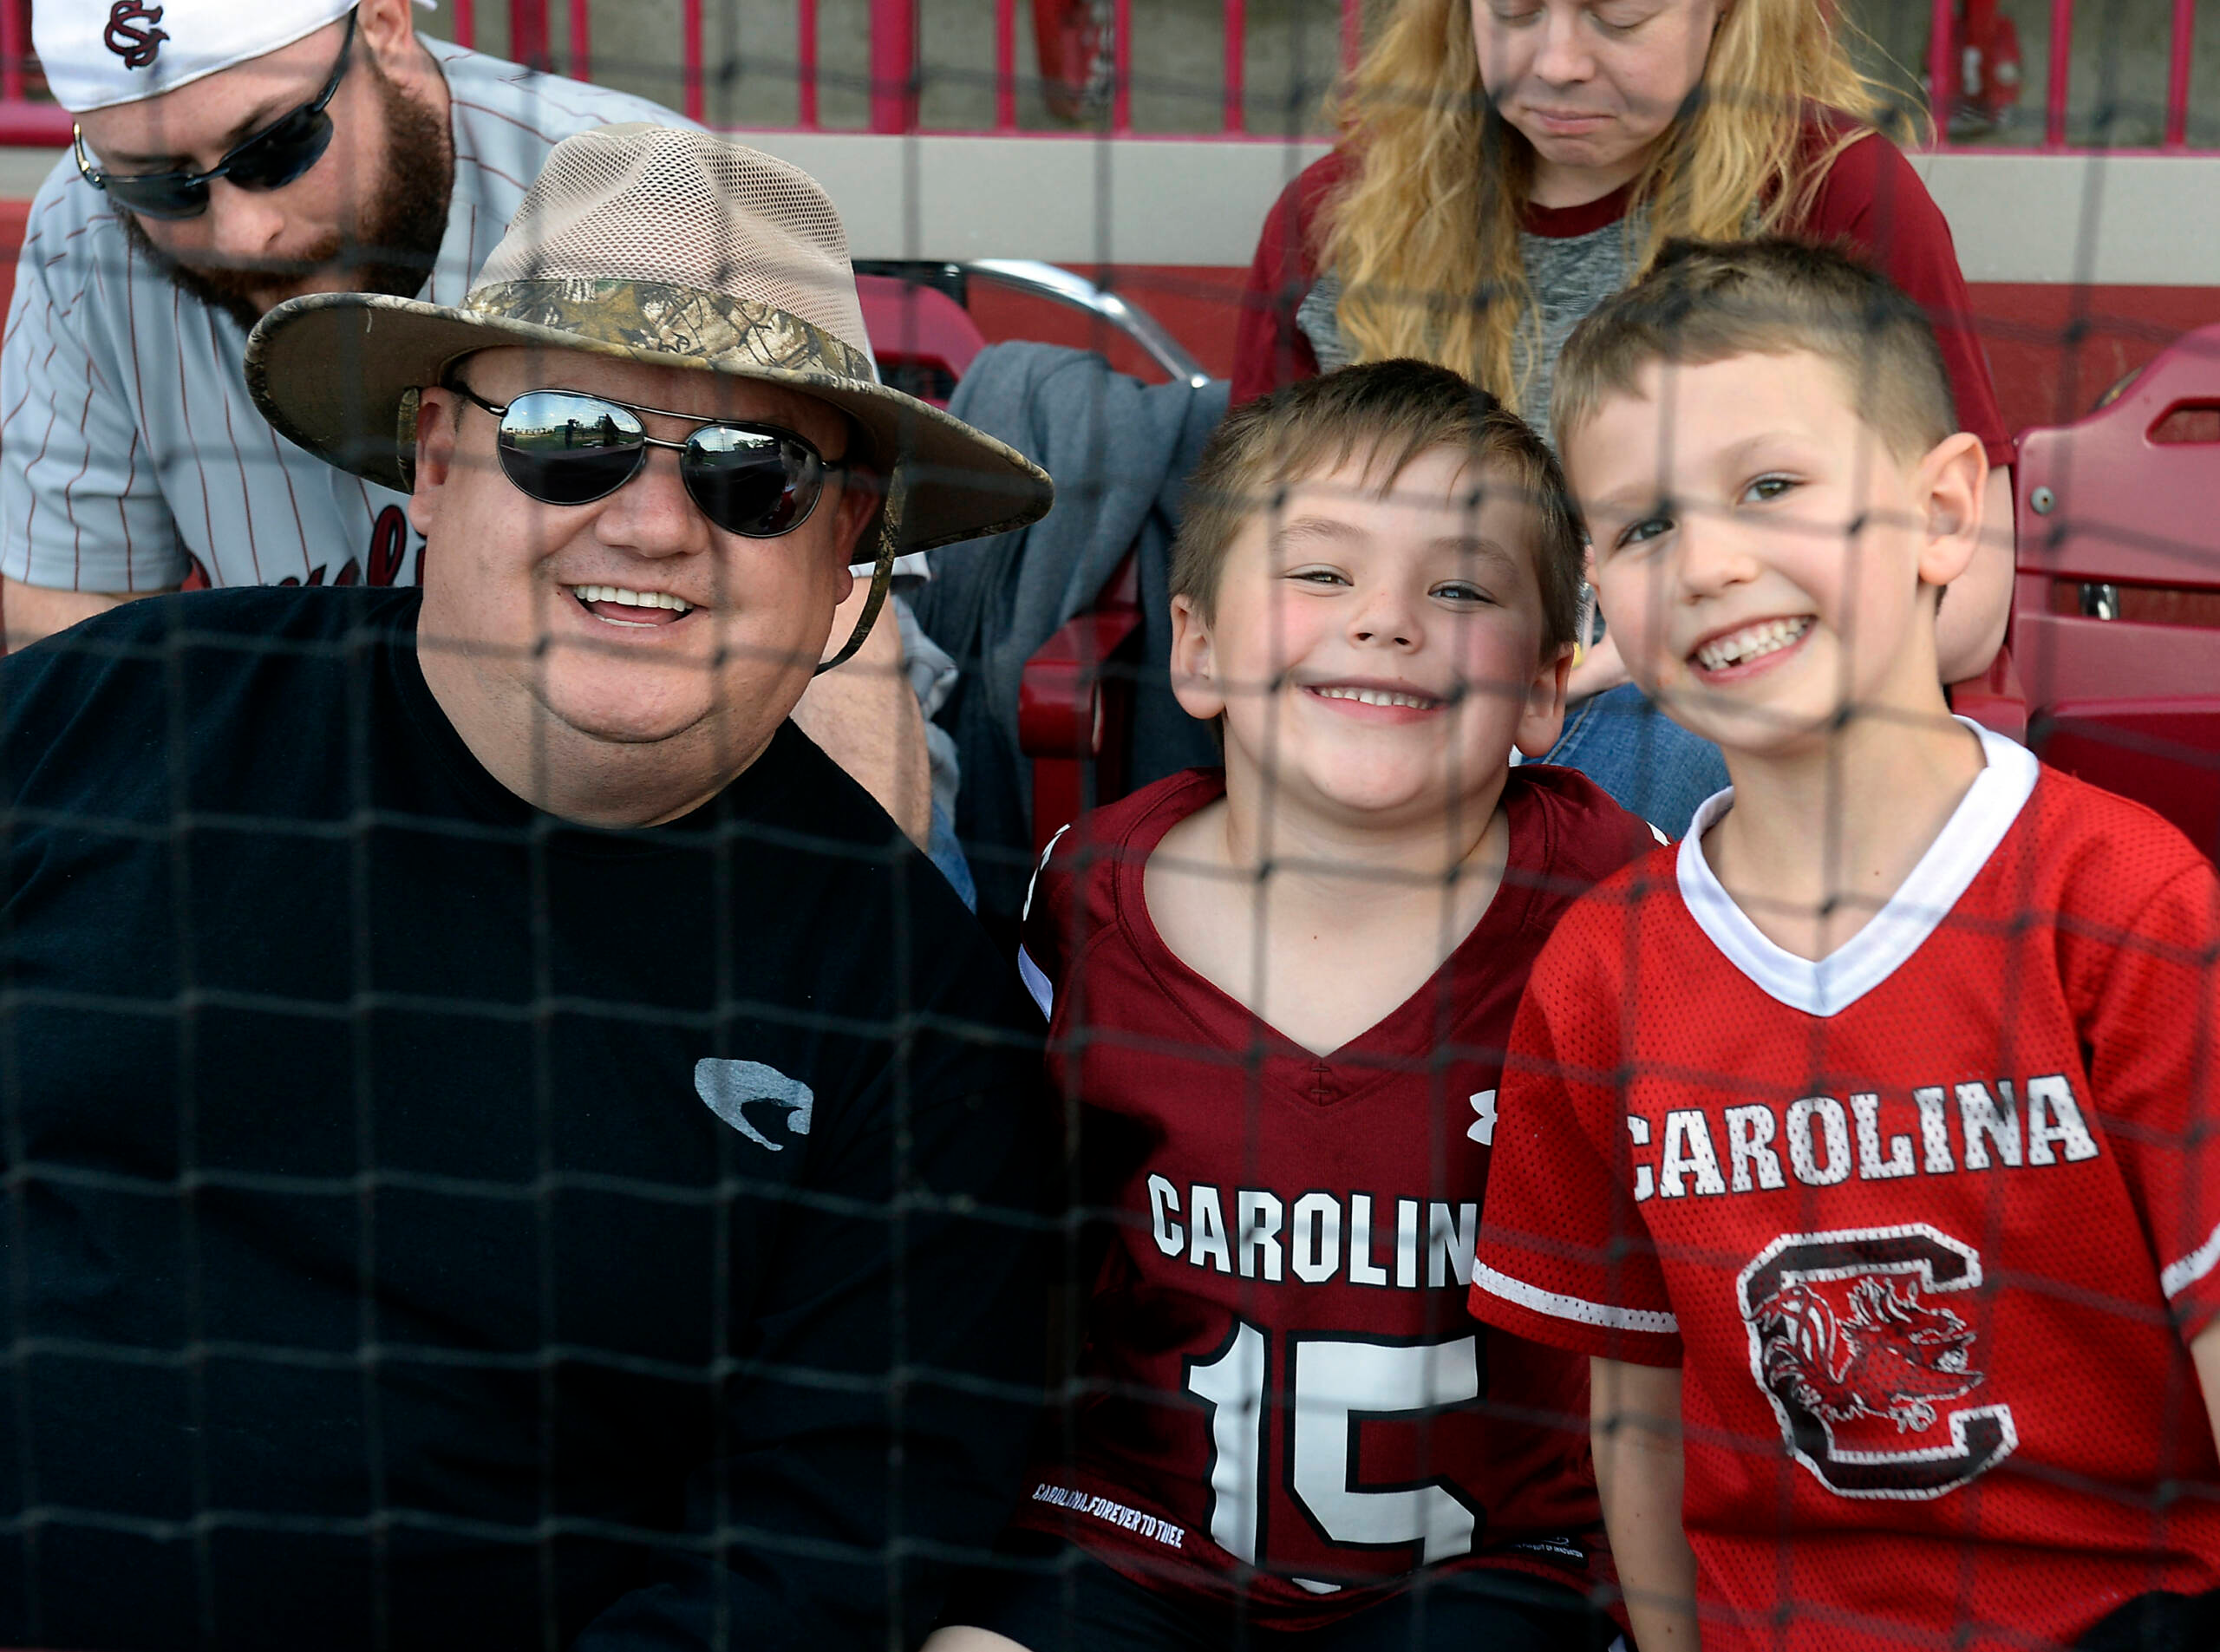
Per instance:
(1336,1385)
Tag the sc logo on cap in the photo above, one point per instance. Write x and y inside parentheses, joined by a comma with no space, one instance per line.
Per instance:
(131,35)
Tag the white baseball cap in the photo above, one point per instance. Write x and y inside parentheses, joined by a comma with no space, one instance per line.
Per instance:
(98,53)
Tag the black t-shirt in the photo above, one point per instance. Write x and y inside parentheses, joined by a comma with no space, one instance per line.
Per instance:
(434,1224)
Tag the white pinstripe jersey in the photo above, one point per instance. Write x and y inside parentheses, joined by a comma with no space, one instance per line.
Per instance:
(131,458)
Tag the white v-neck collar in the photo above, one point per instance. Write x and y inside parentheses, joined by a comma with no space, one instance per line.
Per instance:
(1829,985)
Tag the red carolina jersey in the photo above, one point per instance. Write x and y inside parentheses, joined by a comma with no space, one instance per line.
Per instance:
(1283,1399)
(1928,1224)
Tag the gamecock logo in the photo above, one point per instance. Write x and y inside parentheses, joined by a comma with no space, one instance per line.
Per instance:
(131,35)
(1890,1355)
(1861,1364)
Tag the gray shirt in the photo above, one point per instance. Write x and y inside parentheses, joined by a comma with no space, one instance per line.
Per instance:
(1570,274)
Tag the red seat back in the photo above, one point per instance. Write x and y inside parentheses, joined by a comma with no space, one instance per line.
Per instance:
(924,338)
(2116,629)
(1075,707)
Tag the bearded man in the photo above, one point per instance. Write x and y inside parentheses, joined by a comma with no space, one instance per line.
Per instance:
(232,154)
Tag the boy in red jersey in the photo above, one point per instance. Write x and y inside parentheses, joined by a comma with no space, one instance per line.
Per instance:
(1863,1140)
(1280,995)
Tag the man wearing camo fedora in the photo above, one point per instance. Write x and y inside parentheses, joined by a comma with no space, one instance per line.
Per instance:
(642,258)
(520,1149)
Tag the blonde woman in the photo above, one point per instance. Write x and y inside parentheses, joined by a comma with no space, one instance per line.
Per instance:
(1506,164)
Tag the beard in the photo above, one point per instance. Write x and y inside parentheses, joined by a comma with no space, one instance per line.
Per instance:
(392,247)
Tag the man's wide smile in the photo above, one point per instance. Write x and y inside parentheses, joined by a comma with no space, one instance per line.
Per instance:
(621,605)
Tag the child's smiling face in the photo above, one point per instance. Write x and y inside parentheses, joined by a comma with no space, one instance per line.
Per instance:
(1376,654)
(1761,553)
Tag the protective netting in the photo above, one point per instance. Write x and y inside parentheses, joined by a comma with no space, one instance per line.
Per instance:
(1235,1079)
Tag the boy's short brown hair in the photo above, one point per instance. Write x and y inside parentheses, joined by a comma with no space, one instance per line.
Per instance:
(1397,410)
(1707,300)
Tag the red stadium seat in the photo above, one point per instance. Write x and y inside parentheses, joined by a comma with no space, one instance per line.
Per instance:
(2116,627)
(1073,714)
(924,338)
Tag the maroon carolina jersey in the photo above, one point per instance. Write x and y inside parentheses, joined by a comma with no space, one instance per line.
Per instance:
(1281,1392)
(1927,1224)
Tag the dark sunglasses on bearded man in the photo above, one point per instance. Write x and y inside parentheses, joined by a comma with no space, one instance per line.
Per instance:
(569,447)
(271,159)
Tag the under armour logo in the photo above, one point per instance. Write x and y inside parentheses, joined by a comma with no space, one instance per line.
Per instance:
(1482,1129)
(729,1086)
(131,32)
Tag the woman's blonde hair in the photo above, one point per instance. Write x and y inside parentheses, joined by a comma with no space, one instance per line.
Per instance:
(1424,232)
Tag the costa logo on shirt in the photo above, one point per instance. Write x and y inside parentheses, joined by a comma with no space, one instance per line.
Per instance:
(131,34)
(729,1086)
(1861,1362)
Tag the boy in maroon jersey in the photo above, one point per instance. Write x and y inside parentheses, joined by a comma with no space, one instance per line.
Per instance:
(1279,995)
(1863,1140)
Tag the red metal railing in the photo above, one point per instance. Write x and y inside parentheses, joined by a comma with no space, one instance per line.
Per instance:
(895,73)
(13,48)
(2180,50)
(1943,81)
(2061,70)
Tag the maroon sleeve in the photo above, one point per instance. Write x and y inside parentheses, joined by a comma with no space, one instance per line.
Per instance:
(1873,200)
(1268,349)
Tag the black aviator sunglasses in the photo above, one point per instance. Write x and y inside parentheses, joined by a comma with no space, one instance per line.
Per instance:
(270,160)
(568,447)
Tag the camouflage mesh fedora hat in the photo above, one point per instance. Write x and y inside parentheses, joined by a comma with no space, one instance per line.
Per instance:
(675,248)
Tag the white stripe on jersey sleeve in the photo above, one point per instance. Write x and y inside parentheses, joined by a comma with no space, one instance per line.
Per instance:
(1036,983)
(1576,1309)
(1035,978)
(1025,912)
(2179,1276)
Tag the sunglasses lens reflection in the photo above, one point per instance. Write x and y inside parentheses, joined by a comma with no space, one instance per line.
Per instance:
(566,449)
(750,482)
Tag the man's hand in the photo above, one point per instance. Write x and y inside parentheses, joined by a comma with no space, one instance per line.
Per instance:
(866,717)
(1634,1421)
(29,613)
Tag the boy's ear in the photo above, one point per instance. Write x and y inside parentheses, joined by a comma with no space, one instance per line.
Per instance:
(1194,664)
(1950,485)
(1541,719)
